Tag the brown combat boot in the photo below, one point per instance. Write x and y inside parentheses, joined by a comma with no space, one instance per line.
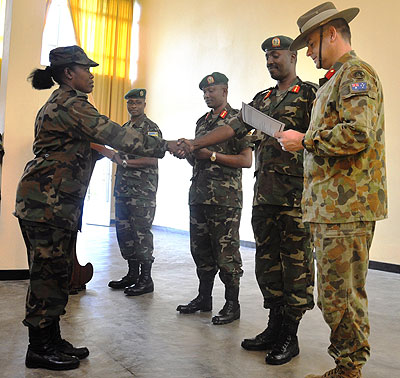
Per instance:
(338,372)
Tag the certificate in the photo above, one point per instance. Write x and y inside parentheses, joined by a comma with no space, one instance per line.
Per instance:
(261,121)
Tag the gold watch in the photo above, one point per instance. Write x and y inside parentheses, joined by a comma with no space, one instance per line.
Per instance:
(213,157)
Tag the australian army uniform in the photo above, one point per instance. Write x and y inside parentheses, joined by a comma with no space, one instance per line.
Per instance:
(215,200)
(284,260)
(135,205)
(344,191)
(50,199)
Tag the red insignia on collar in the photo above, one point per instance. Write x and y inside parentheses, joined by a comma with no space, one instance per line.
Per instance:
(295,89)
(223,114)
(267,94)
(330,73)
(208,114)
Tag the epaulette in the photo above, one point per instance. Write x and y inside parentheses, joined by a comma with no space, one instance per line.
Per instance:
(311,84)
(265,92)
(203,118)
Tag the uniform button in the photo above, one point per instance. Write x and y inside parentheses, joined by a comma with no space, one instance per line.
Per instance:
(46,155)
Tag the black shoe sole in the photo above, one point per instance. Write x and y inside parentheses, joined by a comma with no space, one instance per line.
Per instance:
(130,294)
(193,312)
(34,365)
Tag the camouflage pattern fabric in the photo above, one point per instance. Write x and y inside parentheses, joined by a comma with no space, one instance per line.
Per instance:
(342,252)
(344,193)
(54,183)
(284,263)
(284,259)
(138,183)
(133,225)
(215,200)
(213,183)
(50,265)
(279,174)
(214,243)
(344,167)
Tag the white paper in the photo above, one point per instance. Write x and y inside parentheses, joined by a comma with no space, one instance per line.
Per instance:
(261,121)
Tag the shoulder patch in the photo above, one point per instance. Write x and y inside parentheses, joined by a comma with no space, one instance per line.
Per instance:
(223,114)
(295,89)
(358,74)
(358,87)
(153,133)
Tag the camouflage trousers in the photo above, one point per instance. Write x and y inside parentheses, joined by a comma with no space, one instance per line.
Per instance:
(214,243)
(50,253)
(342,252)
(133,225)
(284,259)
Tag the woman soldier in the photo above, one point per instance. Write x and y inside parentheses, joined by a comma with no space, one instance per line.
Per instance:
(51,192)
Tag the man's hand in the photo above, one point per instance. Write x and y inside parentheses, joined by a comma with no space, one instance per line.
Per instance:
(290,140)
(186,144)
(202,154)
(178,150)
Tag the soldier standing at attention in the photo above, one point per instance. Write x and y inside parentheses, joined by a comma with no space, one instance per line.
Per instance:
(51,192)
(345,180)
(135,192)
(284,260)
(215,200)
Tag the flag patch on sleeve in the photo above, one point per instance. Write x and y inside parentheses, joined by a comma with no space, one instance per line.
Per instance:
(359,87)
(153,133)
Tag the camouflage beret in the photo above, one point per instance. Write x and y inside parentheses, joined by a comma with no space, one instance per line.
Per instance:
(136,93)
(70,54)
(279,42)
(216,78)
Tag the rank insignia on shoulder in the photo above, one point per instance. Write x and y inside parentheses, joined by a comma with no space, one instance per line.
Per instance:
(251,132)
(330,73)
(295,89)
(359,87)
(223,114)
(153,133)
(267,95)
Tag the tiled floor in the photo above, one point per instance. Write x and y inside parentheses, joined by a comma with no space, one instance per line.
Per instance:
(145,337)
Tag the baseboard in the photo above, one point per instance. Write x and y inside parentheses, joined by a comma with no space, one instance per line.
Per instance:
(15,274)
(385,267)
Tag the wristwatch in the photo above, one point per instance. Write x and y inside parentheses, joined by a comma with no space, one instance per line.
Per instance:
(213,157)
(124,163)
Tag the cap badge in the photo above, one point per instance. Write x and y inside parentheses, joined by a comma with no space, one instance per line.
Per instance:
(276,42)
(141,93)
(210,80)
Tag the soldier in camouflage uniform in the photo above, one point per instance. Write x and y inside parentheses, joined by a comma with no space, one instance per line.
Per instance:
(215,200)
(135,191)
(345,180)
(284,261)
(51,192)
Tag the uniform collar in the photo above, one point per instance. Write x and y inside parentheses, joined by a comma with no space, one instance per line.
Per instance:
(336,66)
(224,112)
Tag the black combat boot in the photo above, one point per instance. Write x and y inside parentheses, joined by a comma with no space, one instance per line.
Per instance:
(128,280)
(145,283)
(268,338)
(203,302)
(231,309)
(66,347)
(287,345)
(42,353)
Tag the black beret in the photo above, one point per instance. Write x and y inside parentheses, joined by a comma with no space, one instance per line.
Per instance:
(136,93)
(215,78)
(279,42)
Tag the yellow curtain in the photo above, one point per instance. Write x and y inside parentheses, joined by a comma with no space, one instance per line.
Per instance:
(103,30)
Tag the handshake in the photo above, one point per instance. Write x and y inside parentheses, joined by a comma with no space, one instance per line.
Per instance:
(181,148)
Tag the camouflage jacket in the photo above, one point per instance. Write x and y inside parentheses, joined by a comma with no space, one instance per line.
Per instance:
(212,183)
(279,174)
(54,183)
(138,183)
(344,166)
